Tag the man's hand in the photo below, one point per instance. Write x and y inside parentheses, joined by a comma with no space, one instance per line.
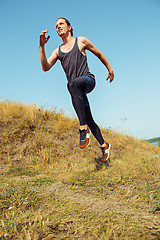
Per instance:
(42,38)
(110,76)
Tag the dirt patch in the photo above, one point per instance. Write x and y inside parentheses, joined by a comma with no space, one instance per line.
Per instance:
(140,213)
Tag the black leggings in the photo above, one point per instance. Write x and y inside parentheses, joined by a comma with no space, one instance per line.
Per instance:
(77,89)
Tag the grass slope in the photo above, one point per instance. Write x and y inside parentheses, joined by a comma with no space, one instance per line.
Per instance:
(50,189)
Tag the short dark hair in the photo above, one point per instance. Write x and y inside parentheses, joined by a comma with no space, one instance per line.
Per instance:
(68,23)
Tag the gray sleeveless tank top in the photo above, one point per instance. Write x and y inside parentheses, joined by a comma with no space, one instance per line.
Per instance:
(74,63)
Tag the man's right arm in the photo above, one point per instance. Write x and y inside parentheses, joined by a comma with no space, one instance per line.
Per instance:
(46,63)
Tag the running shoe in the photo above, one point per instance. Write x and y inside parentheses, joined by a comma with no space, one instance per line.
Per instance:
(84,138)
(105,152)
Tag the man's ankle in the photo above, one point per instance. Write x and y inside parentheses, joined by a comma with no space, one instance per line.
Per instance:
(83,127)
(103,145)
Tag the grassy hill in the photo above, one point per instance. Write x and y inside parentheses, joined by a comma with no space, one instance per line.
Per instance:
(50,189)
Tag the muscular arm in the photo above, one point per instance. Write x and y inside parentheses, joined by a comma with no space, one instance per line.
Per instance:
(46,63)
(88,45)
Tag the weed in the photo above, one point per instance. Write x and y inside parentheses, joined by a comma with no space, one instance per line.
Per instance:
(41,181)
(22,170)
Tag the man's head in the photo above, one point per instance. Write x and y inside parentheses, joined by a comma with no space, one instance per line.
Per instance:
(63,26)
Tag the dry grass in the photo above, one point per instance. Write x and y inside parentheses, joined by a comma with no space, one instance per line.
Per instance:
(50,189)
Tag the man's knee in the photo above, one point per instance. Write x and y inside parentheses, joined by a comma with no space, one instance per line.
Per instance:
(78,84)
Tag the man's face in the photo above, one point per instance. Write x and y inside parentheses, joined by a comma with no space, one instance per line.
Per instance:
(62,28)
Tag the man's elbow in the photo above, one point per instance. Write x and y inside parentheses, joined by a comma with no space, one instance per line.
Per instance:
(45,68)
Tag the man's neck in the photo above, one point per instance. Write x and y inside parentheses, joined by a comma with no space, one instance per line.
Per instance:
(67,38)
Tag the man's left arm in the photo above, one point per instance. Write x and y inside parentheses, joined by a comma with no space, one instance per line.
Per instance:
(92,48)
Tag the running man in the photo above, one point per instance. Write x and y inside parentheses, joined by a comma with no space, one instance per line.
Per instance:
(72,55)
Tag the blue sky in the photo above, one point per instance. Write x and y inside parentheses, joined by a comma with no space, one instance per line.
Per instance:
(127,32)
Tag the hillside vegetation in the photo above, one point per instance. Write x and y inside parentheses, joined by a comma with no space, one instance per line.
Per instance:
(50,189)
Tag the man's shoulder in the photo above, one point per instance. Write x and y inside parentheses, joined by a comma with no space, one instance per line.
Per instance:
(83,41)
(56,50)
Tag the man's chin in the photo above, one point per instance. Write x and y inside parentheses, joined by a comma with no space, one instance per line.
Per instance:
(61,34)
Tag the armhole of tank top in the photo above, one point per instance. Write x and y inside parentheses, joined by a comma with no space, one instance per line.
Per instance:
(58,52)
(79,48)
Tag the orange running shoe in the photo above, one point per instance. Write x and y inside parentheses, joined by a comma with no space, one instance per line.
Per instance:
(84,138)
(105,152)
